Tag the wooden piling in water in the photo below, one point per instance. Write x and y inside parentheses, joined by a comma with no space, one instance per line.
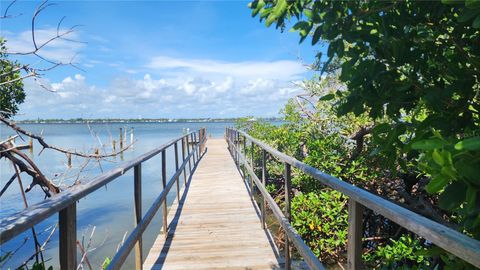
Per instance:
(69,160)
(121,139)
(131,136)
(30,145)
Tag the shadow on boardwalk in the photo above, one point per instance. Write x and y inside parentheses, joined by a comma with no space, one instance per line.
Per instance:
(215,225)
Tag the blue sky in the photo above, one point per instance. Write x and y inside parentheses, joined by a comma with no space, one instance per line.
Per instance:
(159,59)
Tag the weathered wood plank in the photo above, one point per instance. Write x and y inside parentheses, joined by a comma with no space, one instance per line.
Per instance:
(215,226)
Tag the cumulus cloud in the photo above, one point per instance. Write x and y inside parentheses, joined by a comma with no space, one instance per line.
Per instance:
(173,88)
(157,97)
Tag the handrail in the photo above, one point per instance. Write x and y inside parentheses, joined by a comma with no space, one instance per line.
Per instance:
(450,240)
(127,246)
(64,203)
(303,249)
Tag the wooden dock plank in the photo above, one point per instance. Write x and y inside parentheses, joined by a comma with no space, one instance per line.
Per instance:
(215,226)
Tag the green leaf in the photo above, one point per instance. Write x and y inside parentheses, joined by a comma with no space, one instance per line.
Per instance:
(472,4)
(428,144)
(327,97)
(270,20)
(280,8)
(476,22)
(303,29)
(471,196)
(259,6)
(308,13)
(301,25)
(449,172)
(437,157)
(316,35)
(467,15)
(469,144)
(331,49)
(449,2)
(453,196)
(437,183)
(468,169)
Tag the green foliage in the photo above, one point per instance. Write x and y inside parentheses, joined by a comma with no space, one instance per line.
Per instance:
(106,262)
(404,253)
(453,168)
(41,266)
(412,67)
(322,221)
(37,266)
(318,214)
(11,86)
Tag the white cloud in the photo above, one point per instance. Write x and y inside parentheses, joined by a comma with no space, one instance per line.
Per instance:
(285,69)
(152,96)
(258,86)
(173,88)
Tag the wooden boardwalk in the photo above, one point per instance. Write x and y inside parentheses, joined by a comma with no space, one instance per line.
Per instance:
(216,225)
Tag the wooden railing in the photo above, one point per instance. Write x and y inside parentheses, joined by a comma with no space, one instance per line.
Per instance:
(450,240)
(65,203)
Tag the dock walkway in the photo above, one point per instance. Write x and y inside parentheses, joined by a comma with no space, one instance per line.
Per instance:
(215,225)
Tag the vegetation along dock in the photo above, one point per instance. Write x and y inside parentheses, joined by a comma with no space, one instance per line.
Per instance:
(216,222)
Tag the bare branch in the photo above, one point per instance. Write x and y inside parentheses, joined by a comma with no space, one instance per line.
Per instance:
(33,171)
(8,184)
(65,151)
(30,70)
(304,110)
(25,204)
(5,14)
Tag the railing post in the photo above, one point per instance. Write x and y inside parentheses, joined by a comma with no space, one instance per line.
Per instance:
(237,147)
(196,144)
(253,169)
(188,153)
(137,183)
(67,223)
(183,160)
(175,147)
(164,183)
(355,233)
(245,160)
(264,176)
(202,140)
(193,148)
(234,142)
(288,199)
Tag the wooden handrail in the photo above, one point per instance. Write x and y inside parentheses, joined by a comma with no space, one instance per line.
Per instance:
(450,240)
(127,246)
(292,234)
(65,204)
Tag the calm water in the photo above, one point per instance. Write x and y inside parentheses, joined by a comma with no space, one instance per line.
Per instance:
(110,209)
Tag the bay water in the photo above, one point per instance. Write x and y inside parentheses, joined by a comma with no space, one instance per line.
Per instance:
(105,217)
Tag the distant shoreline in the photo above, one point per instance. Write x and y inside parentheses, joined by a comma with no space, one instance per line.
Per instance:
(143,120)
